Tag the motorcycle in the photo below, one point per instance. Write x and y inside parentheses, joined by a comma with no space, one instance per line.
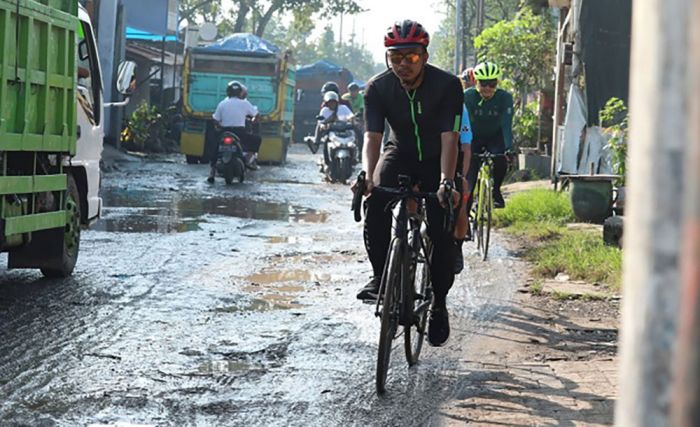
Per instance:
(339,150)
(230,162)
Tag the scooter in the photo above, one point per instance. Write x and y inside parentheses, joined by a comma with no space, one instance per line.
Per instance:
(339,150)
(231,162)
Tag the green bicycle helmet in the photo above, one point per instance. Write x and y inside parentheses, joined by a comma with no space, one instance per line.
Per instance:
(487,71)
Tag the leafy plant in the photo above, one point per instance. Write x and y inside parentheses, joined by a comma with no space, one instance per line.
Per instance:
(526,125)
(524,48)
(147,130)
(614,119)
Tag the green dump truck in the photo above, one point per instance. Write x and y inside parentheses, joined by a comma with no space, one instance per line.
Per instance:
(51,112)
(269,76)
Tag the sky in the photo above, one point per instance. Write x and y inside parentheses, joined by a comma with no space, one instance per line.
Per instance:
(379,16)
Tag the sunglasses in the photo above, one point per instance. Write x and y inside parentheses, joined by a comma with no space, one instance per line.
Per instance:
(397,58)
(488,83)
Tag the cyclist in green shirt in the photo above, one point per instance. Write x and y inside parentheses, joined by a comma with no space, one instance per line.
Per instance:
(491,116)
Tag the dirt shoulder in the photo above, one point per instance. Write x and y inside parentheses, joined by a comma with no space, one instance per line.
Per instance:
(550,359)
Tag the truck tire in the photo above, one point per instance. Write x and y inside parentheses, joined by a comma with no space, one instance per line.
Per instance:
(71,236)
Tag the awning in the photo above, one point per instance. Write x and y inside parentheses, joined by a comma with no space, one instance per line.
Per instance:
(134,34)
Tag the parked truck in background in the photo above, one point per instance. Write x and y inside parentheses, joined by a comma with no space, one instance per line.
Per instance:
(51,131)
(269,76)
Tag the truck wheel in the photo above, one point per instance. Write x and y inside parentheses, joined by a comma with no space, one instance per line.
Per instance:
(71,235)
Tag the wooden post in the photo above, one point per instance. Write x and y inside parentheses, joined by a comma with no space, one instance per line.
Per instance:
(559,93)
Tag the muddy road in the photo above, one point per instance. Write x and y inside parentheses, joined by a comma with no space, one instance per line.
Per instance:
(198,304)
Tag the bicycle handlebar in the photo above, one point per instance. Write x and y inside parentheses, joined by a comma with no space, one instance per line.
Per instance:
(401,193)
(487,155)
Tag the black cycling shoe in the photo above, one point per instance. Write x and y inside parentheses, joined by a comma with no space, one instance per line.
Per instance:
(498,201)
(459,257)
(371,289)
(439,326)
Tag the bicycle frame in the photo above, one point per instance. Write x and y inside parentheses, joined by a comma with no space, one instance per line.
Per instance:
(405,226)
(484,183)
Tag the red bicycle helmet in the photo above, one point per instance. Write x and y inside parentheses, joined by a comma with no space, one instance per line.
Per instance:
(406,34)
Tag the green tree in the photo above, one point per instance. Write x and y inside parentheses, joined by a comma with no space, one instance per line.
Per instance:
(444,38)
(524,48)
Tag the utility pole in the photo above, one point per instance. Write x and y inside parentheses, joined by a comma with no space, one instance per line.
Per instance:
(480,15)
(458,36)
(653,224)
(685,409)
(340,37)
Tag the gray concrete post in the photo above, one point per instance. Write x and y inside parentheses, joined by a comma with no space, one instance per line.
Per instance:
(686,385)
(658,143)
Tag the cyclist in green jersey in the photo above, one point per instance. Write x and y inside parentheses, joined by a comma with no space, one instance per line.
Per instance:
(491,116)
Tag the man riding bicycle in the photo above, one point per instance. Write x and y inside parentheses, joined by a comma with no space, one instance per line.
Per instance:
(423,106)
(491,116)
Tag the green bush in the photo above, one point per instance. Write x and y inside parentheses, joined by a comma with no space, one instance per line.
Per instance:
(580,254)
(147,130)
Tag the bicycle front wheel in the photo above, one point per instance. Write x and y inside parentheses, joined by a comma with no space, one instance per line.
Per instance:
(391,285)
(419,290)
(486,223)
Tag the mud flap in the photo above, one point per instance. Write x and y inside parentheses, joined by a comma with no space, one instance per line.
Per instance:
(44,251)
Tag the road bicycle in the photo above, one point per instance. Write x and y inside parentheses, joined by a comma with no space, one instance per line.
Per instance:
(405,291)
(482,208)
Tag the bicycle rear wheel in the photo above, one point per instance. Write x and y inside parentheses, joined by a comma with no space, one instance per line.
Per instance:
(391,285)
(486,224)
(419,290)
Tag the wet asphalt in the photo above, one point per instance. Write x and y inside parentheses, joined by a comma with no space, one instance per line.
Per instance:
(199,304)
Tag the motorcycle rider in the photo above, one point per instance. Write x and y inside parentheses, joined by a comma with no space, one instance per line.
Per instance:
(357,102)
(230,115)
(332,110)
(332,86)
(254,140)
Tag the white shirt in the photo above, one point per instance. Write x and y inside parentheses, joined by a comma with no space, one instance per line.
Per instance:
(344,113)
(231,112)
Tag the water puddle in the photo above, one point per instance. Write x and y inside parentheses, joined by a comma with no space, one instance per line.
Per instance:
(263,304)
(187,206)
(220,367)
(295,240)
(151,223)
(280,276)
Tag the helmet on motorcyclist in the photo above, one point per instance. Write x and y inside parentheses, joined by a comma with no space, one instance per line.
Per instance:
(330,96)
(330,87)
(234,89)
(353,87)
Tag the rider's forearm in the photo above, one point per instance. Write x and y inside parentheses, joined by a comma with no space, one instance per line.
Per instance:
(448,155)
(370,152)
(467,151)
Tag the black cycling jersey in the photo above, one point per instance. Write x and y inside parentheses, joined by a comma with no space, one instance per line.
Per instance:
(417,118)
